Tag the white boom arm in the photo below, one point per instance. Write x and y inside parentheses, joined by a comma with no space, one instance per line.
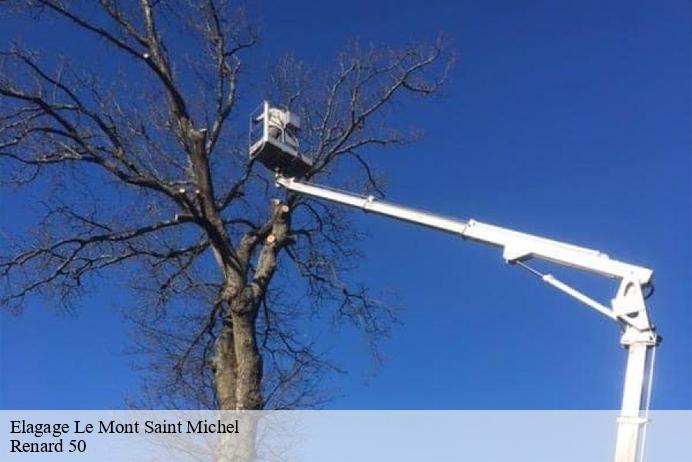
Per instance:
(627,308)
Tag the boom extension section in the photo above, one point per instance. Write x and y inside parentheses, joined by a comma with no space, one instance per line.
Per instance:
(627,308)
(516,247)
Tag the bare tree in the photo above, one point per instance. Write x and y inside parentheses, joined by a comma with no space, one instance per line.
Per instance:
(141,170)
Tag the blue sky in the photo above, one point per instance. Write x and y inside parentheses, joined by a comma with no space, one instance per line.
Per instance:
(565,119)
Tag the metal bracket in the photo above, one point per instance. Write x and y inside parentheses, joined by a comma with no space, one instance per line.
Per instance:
(629,305)
(514,254)
(634,336)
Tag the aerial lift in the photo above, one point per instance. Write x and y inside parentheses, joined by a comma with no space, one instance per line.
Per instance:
(627,308)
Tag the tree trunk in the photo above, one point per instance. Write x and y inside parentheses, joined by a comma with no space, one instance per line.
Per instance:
(237,363)
(248,389)
(224,366)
